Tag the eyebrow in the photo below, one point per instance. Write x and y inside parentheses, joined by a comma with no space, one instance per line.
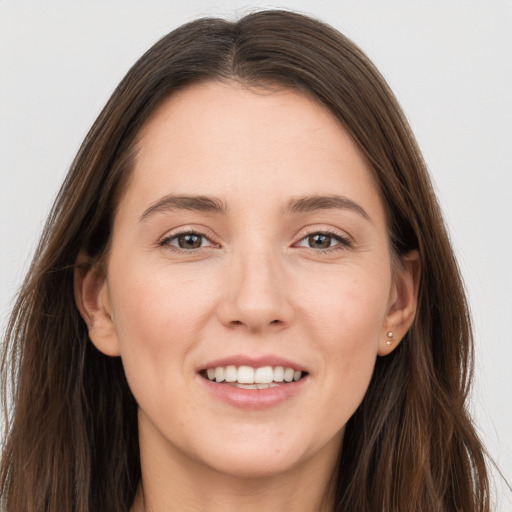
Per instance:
(206,204)
(210,204)
(317,202)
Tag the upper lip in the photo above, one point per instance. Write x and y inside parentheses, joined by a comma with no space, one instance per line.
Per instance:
(254,361)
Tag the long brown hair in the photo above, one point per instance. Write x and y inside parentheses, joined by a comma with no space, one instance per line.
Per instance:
(71,442)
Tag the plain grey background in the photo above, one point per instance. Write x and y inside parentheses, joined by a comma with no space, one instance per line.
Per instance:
(449,63)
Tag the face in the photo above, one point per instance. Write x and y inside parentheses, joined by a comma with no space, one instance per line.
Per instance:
(249,247)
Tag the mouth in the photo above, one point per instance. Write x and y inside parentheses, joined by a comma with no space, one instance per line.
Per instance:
(248,377)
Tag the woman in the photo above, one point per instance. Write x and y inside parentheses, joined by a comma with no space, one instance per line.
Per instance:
(245,296)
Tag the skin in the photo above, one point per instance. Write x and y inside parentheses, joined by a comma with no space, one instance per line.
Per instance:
(255,287)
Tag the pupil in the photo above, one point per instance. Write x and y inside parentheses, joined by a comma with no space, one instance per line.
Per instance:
(320,241)
(189,241)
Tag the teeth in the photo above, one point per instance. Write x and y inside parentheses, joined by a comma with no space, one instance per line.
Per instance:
(247,377)
(278,374)
(219,374)
(264,375)
(266,386)
(288,374)
(231,374)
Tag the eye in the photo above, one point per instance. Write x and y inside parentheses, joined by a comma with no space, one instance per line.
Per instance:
(323,241)
(187,241)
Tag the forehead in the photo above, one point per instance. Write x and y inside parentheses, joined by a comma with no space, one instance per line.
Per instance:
(220,138)
(215,114)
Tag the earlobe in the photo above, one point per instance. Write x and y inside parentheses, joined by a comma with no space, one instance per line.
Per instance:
(93,301)
(403,304)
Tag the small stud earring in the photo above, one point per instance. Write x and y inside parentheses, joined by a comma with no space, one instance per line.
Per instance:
(390,340)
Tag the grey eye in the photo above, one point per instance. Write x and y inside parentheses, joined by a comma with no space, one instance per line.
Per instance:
(324,241)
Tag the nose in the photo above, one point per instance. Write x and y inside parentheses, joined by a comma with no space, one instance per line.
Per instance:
(256,294)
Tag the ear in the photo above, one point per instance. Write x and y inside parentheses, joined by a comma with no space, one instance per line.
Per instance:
(403,302)
(93,301)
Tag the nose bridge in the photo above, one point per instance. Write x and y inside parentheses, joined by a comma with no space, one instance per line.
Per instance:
(257,294)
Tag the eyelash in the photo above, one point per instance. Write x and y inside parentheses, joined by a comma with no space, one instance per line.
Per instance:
(343,241)
(166,242)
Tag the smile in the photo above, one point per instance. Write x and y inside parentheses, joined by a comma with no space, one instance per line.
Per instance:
(247,377)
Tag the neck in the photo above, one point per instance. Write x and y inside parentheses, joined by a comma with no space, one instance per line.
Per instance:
(228,494)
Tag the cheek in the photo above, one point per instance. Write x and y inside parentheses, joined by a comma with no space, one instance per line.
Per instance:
(158,319)
(345,324)
(348,311)
(159,305)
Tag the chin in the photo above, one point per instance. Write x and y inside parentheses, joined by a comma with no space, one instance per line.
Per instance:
(255,463)
(262,456)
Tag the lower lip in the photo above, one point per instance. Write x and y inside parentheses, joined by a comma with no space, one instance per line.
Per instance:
(254,398)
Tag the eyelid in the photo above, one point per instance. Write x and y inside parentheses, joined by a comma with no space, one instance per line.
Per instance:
(344,240)
(165,240)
